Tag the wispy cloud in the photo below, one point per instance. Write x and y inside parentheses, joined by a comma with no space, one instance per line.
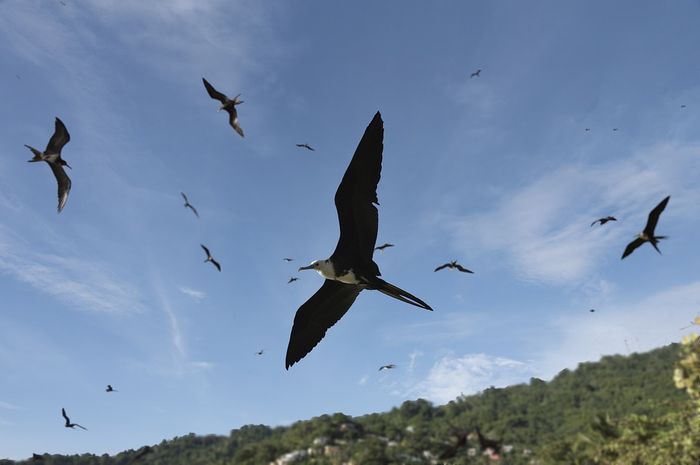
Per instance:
(363,380)
(195,294)
(8,406)
(453,375)
(543,228)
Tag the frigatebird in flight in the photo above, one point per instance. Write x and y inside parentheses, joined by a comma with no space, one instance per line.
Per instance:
(110,389)
(648,234)
(383,246)
(68,423)
(476,73)
(210,258)
(226,104)
(292,279)
(287,259)
(260,352)
(189,205)
(390,366)
(453,265)
(350,268)
(305,146)
(602,221)
(52,156)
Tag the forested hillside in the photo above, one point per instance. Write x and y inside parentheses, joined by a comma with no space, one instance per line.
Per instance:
(622,409)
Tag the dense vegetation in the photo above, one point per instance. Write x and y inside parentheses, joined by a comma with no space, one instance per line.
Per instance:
(637,409)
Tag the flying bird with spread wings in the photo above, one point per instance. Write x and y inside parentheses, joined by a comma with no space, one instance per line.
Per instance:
(52,156)
(68,422)
(226,104)
(602,221)
(189,205)
(350,269)
(383,246)
(648,235)
(453,265)
(305,146)
(210,258)
(390,366)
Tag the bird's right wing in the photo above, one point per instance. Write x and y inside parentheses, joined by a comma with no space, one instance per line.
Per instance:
(654,217)
(194,210)
(63,184)
(316,315)
(631,246)
(216,264)
(59,139)
(63,412)
(441,267)
(464,270)
(205,250)
(233,121)
(184,197)
(213,93)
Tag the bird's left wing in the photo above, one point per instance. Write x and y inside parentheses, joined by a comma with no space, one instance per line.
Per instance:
(463,270)
(213,93)
(356,196)
(654,216)
(233,120)
(631,246)
(320,312)
(59,139)
(64,184)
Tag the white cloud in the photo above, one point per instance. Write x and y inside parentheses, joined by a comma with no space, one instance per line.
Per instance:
(363,380)
(195,294)
(453,375)
(543,228)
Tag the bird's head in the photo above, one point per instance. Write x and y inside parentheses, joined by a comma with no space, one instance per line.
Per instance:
(323,267)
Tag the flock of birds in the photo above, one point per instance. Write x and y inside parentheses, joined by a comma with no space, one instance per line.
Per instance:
(350,269)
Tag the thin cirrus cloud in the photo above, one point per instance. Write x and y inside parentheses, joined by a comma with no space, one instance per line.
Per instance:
(195,294)
(543,228)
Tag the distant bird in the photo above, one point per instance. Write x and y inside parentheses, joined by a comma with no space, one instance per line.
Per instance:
(144,450)
(592,310)
(68,422)
(110,389)
(52,156)
(487,444)
(350,269)
(210,258)
(189,205)
(62,3)
(306,146)
(648,234)
(383,246)
(602,221)
(292,279)
(260,352)
(615,129)
(453,264)
(682,106)
(390,366)
(696,321)
(587,129)
(476,73)
(226,104)
(287,259)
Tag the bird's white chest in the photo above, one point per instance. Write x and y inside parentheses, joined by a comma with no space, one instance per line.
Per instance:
(327,271)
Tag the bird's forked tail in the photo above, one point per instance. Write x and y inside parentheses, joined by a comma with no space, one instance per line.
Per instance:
(397,293)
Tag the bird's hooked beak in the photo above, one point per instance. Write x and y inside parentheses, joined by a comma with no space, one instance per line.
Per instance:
(310,267)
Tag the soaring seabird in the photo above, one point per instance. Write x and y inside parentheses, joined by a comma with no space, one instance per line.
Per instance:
(68,423)
(602,221)
(52,156)
(260,352)
(287,259)
(350,268)
(648,234)
(390,366)
(476,73)
(454,265)
(110,389)
(226,104)
(189,205)
(305,146)
(292,279)
(210,258)
(383,246)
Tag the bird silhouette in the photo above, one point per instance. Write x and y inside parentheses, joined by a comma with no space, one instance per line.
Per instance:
(383,246)
(306,146)
(52,156)
(68,422)
(648,234)
(292,279)
(602,221)
(189,205)
(455,265)
(226,104)
(476,73)
(260,352)
(110,389)
(390,366)
(350,269)
(210,258)
(287,259)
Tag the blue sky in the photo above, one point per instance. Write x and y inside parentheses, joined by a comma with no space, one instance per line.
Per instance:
(495,171)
